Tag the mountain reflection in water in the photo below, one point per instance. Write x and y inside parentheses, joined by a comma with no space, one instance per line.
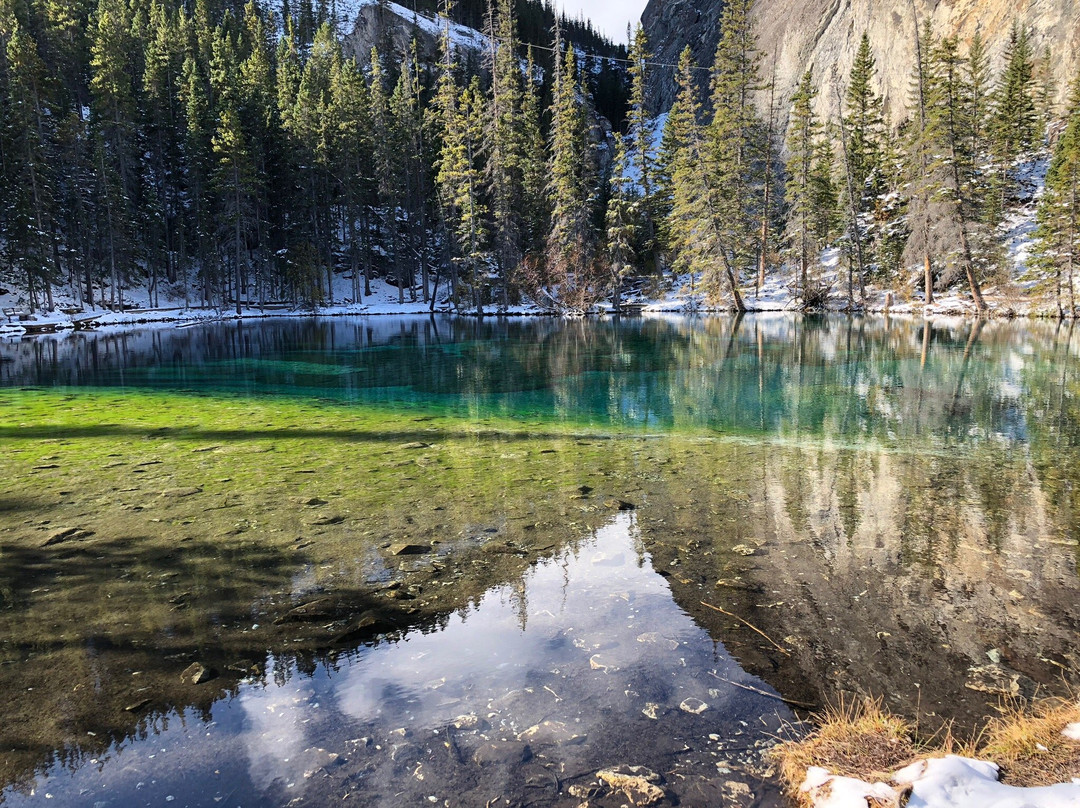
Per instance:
(587,664)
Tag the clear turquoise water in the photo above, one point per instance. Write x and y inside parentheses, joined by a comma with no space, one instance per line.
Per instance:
(843,379)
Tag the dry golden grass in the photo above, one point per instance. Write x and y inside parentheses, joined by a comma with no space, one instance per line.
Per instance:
(859,738)
(1026,742)
(855,738)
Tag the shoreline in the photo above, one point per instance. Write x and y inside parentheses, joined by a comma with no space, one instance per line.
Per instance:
(179,317)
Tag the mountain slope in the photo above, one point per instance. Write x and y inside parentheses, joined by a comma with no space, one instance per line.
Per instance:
(824,34)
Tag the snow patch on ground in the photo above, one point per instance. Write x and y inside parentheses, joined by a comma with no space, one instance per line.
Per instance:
(828,791)
(1018,230)
(1072,732)
(461,36)
(633,164)
(950,782)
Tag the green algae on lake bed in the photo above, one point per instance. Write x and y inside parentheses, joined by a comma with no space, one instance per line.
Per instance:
(901,522)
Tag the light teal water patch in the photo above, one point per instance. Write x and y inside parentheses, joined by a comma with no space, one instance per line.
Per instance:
(899,383)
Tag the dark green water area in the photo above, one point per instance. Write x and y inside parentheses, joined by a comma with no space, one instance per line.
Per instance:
(408,561)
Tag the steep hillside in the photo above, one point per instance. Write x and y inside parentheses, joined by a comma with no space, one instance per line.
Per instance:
(796,34)
(365,24)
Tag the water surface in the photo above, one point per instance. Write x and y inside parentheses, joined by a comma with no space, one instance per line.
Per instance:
(370,528)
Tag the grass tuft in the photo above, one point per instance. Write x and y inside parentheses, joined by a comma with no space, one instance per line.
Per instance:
(861,739)
(1026,741)
(854,738)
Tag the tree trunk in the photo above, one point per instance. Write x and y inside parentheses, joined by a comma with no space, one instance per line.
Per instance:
(928,278)
(969,265)
(238,229)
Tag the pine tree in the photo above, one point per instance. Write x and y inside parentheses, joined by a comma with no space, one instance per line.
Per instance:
(505,145)
(354,180)
(919,151)
(865,122)
(1014,121)
(534,205)
(262,124)
(233,180)
(386,160)
(197,163)
(698,225)
(642,132)
(804,132)
(638,119)
(571,250)
(947,198)
(771,186)
(113,117)
(310,127)
(406,115)
(622,222)
(460,181)
(1058,232)
(824,191)
(234,177)
(29,231)
(160,80)
(734,141)
(1045,93)
(979,96)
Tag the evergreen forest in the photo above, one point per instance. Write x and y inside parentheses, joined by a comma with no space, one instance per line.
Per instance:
(231,155)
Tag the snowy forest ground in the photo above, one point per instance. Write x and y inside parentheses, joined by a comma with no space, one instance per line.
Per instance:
(1023,295)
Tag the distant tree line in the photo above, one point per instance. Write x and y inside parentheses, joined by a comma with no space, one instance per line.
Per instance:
(932,190)
(233,155)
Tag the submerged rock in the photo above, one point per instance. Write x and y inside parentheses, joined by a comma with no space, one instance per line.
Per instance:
(320,609)
(367,626)
(137,706)
(405,548)
(180,493)
(554,733)
(653,638)
(599,663)
(999,679)
(639,784)
(468,721)
(68,534)
(502,753)
(196,673)
(653,710)
(693,706)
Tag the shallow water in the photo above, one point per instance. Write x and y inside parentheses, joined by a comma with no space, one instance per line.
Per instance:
(880,508)
(523,692)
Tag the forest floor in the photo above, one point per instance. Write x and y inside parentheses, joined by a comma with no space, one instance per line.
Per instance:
(679,295)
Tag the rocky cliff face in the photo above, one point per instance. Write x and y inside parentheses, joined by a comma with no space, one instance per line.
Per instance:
(392,27)
(824,34)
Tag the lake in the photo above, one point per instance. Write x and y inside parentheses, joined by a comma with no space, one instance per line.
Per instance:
(403,561)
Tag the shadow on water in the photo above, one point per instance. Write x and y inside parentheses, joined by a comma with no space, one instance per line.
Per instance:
(96,633)
(345,435)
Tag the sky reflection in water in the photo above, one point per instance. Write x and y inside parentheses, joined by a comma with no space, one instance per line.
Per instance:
(589,640)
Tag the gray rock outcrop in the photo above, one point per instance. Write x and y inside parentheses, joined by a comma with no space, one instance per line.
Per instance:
(824,34)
